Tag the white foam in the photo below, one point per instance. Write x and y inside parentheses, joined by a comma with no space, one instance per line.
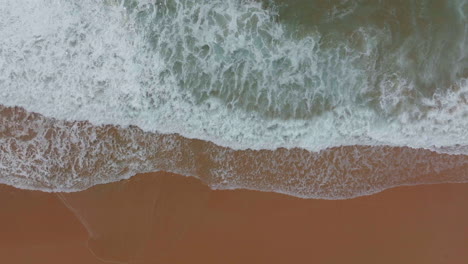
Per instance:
(52,155)
(91,61)
(220,71)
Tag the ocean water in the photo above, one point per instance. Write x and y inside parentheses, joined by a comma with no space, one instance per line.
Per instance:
(317,99)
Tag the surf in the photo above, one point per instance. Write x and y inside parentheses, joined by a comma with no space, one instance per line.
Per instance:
(242,75)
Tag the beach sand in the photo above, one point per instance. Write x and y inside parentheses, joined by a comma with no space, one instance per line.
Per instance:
(167,218)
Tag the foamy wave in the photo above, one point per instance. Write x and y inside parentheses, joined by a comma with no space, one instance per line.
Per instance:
(52,155)
(226,72)
(222,71)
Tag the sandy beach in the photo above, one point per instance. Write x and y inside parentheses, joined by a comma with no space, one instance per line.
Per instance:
(167,218)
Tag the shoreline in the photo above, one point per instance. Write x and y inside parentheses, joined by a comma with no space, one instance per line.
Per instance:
(150,174)
(59,155)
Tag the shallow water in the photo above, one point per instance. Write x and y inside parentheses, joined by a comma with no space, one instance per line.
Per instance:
(328,99)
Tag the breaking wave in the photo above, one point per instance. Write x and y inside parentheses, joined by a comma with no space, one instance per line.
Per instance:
(346,99)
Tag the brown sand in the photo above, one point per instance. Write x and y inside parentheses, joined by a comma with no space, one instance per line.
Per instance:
(164,218)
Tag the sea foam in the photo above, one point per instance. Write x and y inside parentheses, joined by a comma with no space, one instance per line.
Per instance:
(53,155)
(226,72)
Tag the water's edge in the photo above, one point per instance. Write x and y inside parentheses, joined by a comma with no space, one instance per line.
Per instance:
(58,156)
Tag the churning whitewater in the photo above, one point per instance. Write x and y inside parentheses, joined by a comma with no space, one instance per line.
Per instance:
(244,81)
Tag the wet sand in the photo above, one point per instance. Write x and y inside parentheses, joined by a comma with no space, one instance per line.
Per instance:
(166,218)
